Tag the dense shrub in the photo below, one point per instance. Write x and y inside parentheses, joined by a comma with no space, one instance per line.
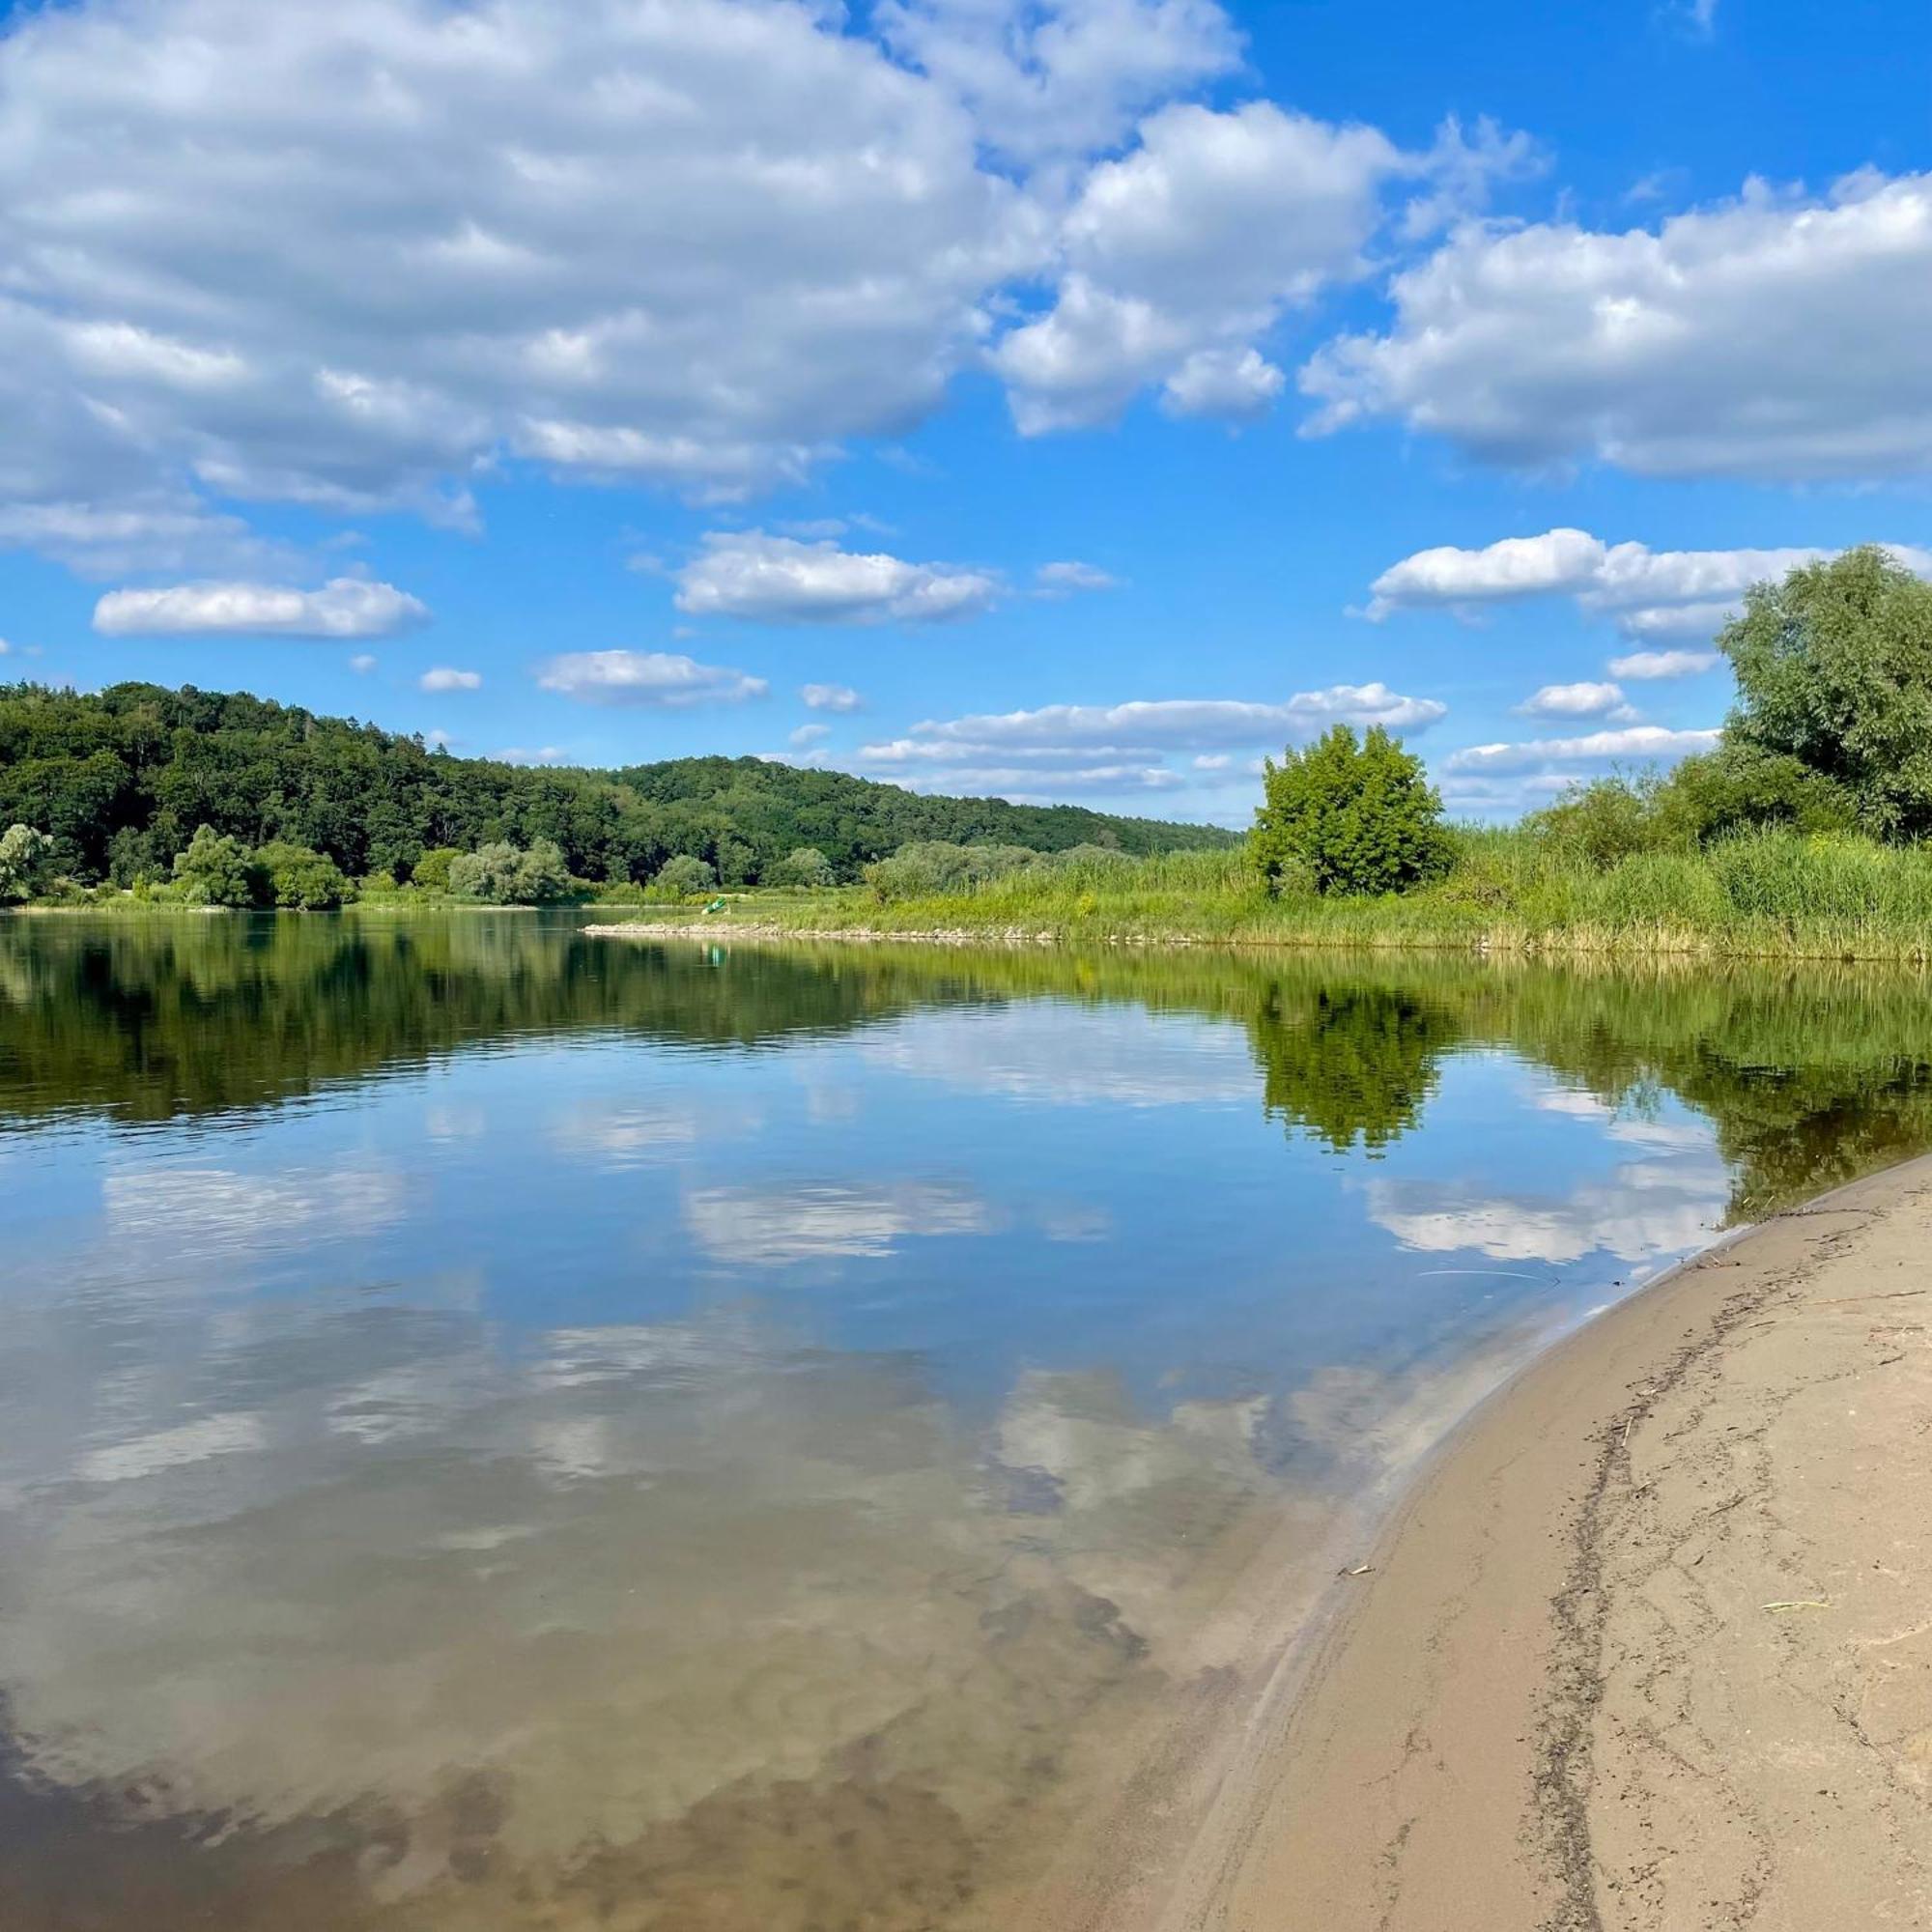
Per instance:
(25,857)
(502,874)
(685,874)
(1359,816)
(217,871)
(431,871)
(935,867)
(300,879)
(806,866)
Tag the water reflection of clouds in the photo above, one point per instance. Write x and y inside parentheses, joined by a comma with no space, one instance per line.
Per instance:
(1643,1210)
(1119,1055)
(1633,1129)
(778,1226)
(195,1209)
(641,1574)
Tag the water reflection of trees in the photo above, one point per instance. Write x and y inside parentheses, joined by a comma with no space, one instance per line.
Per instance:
(1349,1063)
(1809,1076)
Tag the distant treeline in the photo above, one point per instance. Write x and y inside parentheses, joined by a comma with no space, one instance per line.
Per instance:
(123,778)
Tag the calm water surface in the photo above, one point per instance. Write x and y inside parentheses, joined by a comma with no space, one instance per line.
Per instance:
(502,1429)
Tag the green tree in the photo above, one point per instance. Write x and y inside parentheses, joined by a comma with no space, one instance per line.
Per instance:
(806,866)
(216,872)
(1834,670)
(24,858)
(491,873)
(302,879)
(1605,820)
(1743,787)
(684,873)
(431,871)
(542,876)
(927,866)
(1353,816)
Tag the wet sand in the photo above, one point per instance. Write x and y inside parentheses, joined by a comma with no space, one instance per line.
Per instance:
(1650,1648)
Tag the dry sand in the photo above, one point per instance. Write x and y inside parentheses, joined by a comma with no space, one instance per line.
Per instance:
(1650,1650)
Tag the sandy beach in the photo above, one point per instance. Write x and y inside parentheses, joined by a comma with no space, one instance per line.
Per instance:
(1650,1648)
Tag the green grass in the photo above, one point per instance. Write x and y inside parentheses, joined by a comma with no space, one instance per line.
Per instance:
(1771,894)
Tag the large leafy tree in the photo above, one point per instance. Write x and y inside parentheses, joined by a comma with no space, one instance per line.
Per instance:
(1350,815)
(1835,671)
(25,853)
(217,871)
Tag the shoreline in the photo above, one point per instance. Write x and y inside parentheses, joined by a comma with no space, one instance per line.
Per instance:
(1641,1647)
(1481,944)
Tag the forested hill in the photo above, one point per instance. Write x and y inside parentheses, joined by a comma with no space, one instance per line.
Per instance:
(121,778)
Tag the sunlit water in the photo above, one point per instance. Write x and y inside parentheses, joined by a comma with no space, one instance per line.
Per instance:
(505,1429)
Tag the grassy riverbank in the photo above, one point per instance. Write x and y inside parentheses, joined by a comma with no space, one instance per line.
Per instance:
(1774,894)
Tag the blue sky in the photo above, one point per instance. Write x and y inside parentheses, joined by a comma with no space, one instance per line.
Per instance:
(1078,401)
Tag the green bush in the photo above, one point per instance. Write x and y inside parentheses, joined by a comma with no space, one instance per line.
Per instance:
(431,871)
(684,874)
(503,874)
(300,879)
(805,866)
(1358,815)
(216,872)
(1606,820)
(932,868)
(26,859)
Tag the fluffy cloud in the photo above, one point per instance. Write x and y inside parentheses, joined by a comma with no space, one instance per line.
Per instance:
(1045,82)
(698,244)
(345,606)
(694,243)
(661,679)
(1188,724)
(1691,351)
(780,579)
(1057,580)
(808,735)
(446,677)
(1576,700)
(1643,743)
(830,697)
(1642,666)
(1064,749)
(1175,257)
(1646,592)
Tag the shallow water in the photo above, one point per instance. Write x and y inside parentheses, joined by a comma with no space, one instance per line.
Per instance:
(506,1429)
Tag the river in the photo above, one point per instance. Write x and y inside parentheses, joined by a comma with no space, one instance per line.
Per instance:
(506,1429)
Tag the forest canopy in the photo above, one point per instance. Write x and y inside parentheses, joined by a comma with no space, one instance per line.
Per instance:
(121,779)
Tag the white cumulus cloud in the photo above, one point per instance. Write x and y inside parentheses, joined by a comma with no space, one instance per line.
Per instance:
(359,256)
(1191,723)
(830,697)
(1646,592)
(1059,750)
(1057,580)
(659,678)
(1636,742)
(1642,666)
(345,606)
(780,579)
(446,677)
(1695,349)
(1576,700)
